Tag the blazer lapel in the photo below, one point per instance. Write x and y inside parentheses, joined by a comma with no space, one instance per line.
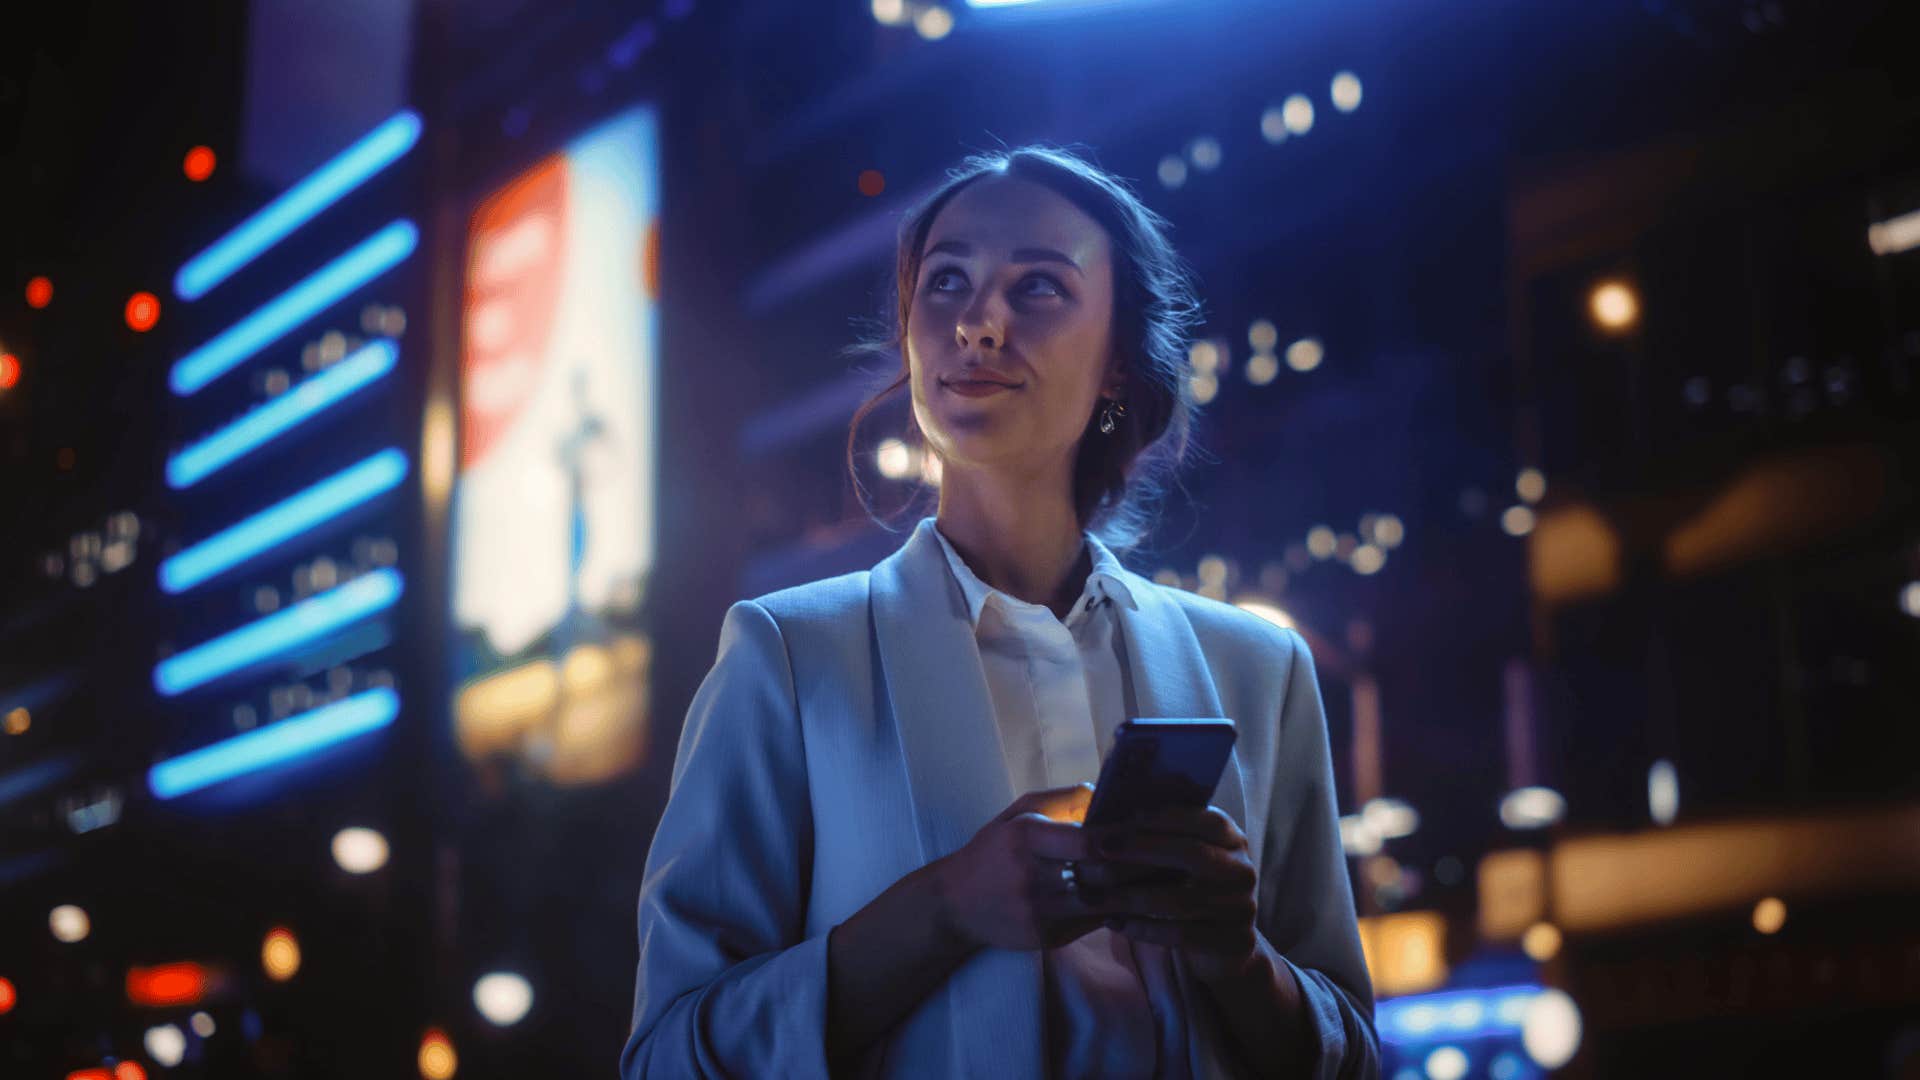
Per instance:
(1170,676)
(944,716)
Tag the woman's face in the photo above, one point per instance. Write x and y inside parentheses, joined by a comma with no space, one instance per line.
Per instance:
(1010,333)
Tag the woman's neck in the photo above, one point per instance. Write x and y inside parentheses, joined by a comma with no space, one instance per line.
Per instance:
(1025,546)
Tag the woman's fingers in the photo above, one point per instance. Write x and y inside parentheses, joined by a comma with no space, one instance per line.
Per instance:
(1055,804)
(1203,861)
(1210,825)
(1178,903)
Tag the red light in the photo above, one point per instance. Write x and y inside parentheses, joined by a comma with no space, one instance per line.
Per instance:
(199,163)
(89,1074)
(7,996)
(129,1070)
(872,183)
(143,310)
(39,292)
(167,984)
(9,374)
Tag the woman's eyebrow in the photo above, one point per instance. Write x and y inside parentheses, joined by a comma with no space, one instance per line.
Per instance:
(962,249)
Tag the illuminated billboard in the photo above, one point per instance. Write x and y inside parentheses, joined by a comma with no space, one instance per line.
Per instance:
(553,509)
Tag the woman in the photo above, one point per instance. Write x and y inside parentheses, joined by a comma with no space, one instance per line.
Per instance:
(844,881)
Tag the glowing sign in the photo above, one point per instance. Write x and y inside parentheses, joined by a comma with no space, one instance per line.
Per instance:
(309,621)
(275,744)
(553,515)
(287,520)
(209,455)
(295,207)
(315,293)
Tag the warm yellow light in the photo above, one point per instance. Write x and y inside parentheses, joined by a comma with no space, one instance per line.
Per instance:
(585,668)
(1263,335)
(1321,542)
(280,954)
(1346,91)
(1204,356)
(934,22)
(890,12)
(1256,606)
(1517,521)
(1388,531)
(1262,368)
(1212,570)
(1769,915)
(18,721)
(1205,386)
(1297,114)
(1531,484)
(70,923)
(1405,951)
(1614,305)
(359,850)
(437,1059)
(1541,941)
(1305,354)
(1367,559)
(437,453)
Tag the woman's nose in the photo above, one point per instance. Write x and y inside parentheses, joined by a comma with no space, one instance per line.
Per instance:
(981,325)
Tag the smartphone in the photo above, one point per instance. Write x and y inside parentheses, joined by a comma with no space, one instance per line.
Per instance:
(1160,763)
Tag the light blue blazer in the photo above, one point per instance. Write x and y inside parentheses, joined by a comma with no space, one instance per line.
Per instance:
(845,738)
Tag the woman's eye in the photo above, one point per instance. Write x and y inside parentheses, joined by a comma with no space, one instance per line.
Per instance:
(1041,285)
(946,281)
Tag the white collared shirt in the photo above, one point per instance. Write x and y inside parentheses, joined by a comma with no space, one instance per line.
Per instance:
(1059,689)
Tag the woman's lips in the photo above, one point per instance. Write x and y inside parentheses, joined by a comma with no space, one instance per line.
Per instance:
(977,387)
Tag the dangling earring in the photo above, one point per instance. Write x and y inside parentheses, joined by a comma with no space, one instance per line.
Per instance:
(1114,411)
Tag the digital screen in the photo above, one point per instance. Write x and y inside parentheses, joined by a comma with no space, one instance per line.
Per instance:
(553,509)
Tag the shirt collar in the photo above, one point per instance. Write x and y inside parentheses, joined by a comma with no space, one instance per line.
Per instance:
(1106,578)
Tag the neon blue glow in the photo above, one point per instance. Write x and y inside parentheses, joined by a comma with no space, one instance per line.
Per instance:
(280,316)
(304,623)
(298,205)
(285,520)
(277,417)
(1454,1014)
(278,743)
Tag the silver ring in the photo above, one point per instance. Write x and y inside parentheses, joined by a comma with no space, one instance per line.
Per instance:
(1070,876)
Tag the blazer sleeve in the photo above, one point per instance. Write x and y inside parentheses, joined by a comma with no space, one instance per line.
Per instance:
(728,985)
(1306,903)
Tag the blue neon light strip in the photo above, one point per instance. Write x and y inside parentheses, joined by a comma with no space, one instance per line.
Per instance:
(298,205)
(277,743)
(280,316)
(304,623)
(285,520)
(277,417)
(1454,1014)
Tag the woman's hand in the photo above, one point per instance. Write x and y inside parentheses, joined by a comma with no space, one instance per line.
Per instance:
(1208,915)
(1004,889)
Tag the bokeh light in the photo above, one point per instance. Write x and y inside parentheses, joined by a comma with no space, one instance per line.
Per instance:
(39,292)
(9,371)
(933,22)
(1172,171)
(1346,91)
(894,458)
(8,996)
(1297,114)
(1447,1063)
(1551,1030)
(143,310)
(1769,915)
(1305,354)
(1531,484)
(890,12)
(503,997)
(280,954)
(1541,941)
(198,164)
(69,923)
(166,1044)
(1262,368)
(359,850)
(1614,306)
(1517,521)
(872,182)
(437,1060)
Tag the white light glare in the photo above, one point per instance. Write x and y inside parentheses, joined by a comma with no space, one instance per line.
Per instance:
(359,851)
(1531,484)
(1305,354)
(69,923)
(1367,559)
(203,1025)
(934,22)
(1517,521)
(166,1045)
(1551,1031)
(1346,91)
(1357,838)
(1297,114)
(1447,1063)
(1910,599)
(1532,808)
(1894,235)
(1173,172)
(894,458)
(1205,153)
(1391,818)
(503,997)
(890,12)
(1256,606)
(1663,792)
